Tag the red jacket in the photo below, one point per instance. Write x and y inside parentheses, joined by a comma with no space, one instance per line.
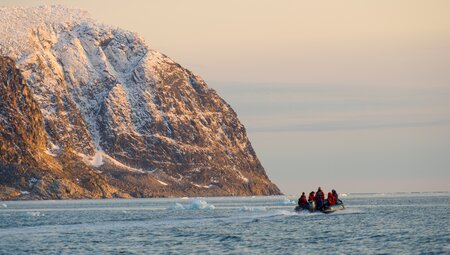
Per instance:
(331,199)
(311,198)
(302,201)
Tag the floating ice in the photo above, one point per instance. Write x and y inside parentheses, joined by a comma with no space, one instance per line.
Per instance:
(197,204)
(4,205)
(176,206)
(200,204)
(287,202)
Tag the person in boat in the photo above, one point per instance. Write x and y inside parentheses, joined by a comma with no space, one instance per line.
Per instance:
(335,194)
(311,201)
(320,197)
(330,199)
(311,197)
(336,198)
(302,201)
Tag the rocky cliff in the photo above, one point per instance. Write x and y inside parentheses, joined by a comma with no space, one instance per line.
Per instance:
(91,111)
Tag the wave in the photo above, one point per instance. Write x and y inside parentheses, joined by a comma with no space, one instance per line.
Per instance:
(35,214)
(252,209)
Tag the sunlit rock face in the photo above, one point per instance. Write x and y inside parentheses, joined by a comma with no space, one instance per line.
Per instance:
(95,112)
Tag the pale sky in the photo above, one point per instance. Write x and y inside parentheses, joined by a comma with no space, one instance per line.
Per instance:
(351,95)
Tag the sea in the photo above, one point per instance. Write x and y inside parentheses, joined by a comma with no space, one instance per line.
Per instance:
(398,223)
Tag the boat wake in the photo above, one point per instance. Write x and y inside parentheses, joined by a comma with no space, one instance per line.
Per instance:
(348,211)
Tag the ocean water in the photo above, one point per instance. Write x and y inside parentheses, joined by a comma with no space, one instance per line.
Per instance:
(417,223)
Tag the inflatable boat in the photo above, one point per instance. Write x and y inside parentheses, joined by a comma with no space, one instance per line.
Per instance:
(333,208)
(311,207)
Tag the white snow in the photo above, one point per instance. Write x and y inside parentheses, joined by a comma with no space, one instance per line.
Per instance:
(196,185)
(53,149)
(98,159)
(117,163)
(21,21)
(24,192)
(49,152)
(163,183)
(241,176)
(202,186)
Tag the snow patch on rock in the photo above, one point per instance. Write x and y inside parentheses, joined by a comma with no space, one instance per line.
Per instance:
(241,176)
(161,182)
(98,159)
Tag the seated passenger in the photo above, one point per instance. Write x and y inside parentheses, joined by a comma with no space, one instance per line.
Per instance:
(330,199)
(335,195)
(311,197)
(302,201)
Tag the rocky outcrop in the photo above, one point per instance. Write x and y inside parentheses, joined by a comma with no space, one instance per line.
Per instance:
(93,112)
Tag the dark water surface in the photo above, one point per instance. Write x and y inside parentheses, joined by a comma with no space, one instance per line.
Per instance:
(372,224)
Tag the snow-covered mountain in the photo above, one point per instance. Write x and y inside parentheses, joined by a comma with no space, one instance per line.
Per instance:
(110,116)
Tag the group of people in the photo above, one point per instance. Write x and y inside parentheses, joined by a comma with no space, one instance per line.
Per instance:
(318,198)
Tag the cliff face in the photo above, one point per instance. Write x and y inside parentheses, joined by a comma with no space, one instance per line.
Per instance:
(27,168)
(95,110)
(21,121)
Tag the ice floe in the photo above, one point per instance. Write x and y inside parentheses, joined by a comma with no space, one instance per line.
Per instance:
(197,204)
(287,202)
